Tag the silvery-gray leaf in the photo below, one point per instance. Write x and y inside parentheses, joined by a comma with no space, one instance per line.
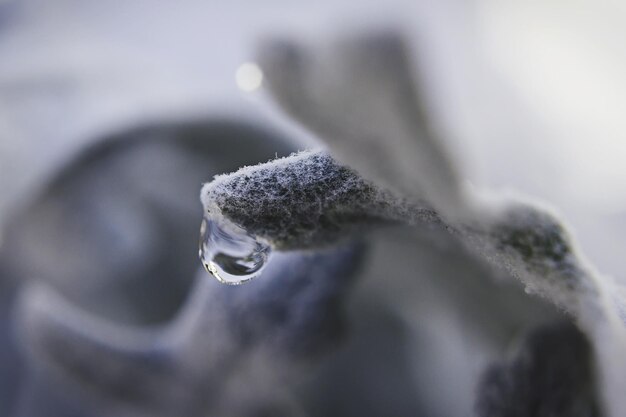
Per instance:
(308,200)
(329,90)
(519,237)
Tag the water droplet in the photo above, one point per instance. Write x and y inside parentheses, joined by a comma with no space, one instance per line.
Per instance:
(230,253)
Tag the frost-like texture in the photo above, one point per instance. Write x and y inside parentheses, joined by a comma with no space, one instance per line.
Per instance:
(535,246)
(307,200)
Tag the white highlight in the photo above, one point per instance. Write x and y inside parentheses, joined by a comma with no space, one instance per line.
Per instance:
(249,77)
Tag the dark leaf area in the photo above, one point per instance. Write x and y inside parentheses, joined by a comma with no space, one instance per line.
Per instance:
(552,375)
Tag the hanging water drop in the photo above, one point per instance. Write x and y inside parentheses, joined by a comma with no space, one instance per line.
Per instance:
(230,253)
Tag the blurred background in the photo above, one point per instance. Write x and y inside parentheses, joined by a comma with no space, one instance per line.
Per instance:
(112,114)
